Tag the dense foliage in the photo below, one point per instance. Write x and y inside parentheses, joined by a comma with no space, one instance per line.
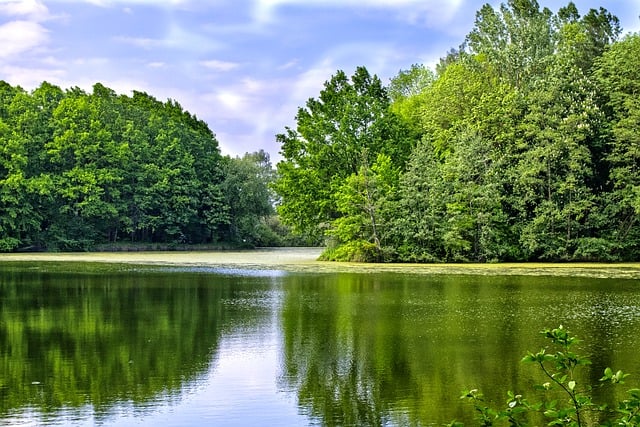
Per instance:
(332,179)
(521,146)
(78,169)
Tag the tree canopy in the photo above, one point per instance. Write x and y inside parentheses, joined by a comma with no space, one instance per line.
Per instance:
(79,169)
(522,146)
(338,135)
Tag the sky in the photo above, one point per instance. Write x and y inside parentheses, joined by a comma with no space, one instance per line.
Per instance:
(242,66)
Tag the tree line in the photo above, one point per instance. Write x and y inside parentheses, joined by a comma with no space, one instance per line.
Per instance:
(79,169)
(522,145)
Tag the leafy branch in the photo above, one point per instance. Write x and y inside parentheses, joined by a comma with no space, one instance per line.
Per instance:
(559,367)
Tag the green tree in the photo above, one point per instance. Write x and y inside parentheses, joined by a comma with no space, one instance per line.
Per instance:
(618,74)
(477,227)
(518,39)
(349,117)
(405,90)
(30,117)
(249,199)
(417,233)
(552,189)
(453,208)
(85,170)
(17,216)
(514,123)
(366,201)
(174,176)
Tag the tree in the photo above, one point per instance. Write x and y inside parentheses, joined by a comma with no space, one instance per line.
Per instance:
(366,201)
(517,40)
(417,233)
(410,83)
(405,92)
(80,168)
(350,116)
(174,176)
(85,171)
(17,216)
(246,187)
(553,175)
(30,117)
(618,74)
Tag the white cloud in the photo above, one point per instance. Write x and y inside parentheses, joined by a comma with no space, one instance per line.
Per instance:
(428,12)
(231,100)
(263,107)
(217,65)
(30,77)
(176,38)
(33,9)
(19,37)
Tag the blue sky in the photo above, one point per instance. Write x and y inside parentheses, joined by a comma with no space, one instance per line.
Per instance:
(243,66)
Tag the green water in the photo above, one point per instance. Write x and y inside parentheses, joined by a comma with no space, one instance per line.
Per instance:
(109,345)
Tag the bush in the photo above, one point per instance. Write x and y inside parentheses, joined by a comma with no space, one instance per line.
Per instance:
(355,251)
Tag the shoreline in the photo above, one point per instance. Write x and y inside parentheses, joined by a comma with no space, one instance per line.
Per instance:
(305,260)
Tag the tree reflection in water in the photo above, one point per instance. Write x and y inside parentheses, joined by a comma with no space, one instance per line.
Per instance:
(399,349)
(354,349)
(70,340)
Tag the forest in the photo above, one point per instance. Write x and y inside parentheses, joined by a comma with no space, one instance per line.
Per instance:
(79,170)
(523,144)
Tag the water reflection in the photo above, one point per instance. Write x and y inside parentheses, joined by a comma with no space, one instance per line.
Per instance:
(189,346)
(69,342)
(397,350)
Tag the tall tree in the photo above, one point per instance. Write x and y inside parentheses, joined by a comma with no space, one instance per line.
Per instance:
(366,200)
(405,92)
(618,73)
(85,170)
(552,188)
(516,129)
(349,117)
(17,215)
(417,233)
(249,200)
(517,39)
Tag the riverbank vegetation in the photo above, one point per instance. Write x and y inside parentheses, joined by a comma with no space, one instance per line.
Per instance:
(522,145)
(82,169)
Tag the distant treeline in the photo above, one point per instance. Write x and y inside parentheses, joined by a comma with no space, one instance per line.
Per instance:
(522,145)
(78,169)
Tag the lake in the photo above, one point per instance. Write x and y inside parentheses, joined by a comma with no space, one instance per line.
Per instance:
(185,345)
